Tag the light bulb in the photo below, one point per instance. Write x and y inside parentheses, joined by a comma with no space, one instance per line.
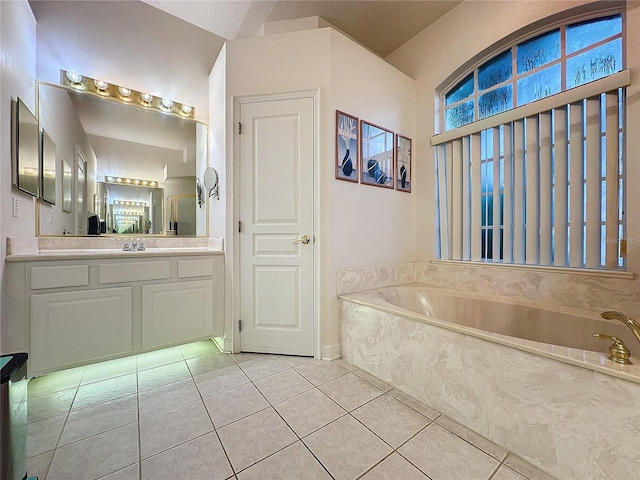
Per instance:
(186,108)
(101,85)
(74,77)
(125,92)
(167,103)
(146,97)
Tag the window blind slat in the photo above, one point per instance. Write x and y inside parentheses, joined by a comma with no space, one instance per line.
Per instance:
(476,200)
(448,160)
(593,185)
(457,199)
(546,200)
(560,188)
(507,216)
(496,195)
(576,177)
(518,191)
(612,193)
(532,191)
(466,199)
(442,202)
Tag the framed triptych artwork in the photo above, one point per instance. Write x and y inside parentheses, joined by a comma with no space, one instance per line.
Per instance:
(372,155)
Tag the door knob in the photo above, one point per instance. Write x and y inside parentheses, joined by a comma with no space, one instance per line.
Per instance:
(303,239)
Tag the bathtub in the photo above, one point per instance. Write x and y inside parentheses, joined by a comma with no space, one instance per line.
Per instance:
(527,376)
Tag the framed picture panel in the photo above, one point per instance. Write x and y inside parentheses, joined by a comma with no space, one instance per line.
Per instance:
(377,154)
(346,147)
(403,163)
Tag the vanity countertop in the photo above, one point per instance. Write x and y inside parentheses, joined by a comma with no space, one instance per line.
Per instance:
(81,248)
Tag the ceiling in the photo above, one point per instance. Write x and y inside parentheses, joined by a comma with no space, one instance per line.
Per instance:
(381,26)
(136,43)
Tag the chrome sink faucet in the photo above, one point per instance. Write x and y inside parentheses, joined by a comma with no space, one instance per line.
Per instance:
(125,247)
(134,246)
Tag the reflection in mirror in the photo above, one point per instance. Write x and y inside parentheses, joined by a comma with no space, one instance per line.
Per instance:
(130,209)
(125,142)
(66,187)
(48,168)
(211,180)
(26,145)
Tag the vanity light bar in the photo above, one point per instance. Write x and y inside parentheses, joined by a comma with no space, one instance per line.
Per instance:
(134,182)
(130,203)
(97,86)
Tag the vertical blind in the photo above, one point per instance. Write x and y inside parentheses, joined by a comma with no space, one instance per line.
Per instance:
(540,185)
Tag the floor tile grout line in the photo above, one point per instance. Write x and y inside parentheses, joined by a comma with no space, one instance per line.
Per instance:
(469,442)
(139,424)
(317,459)
(299,439)
(55,449)
(215,429)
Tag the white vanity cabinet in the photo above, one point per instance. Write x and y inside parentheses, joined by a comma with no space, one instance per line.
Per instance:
(73,312)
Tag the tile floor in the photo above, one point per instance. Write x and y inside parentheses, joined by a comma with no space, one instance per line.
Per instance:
(192,412)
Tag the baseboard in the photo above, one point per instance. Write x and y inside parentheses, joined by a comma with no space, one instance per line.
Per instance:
(330,352)
(224,344)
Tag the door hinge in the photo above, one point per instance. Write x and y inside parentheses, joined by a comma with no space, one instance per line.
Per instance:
(239,128)
(239,325)
(239,226)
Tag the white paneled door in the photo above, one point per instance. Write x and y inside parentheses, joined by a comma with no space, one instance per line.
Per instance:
(276,226)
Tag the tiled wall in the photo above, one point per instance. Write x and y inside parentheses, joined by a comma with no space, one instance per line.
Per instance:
(350,280)
(589,291)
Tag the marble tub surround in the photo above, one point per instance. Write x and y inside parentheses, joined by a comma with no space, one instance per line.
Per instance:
(357,279)
(538,328)
(597,291)
(21,249)
(571,422)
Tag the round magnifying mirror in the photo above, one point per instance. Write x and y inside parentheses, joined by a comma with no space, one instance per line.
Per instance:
(211,181)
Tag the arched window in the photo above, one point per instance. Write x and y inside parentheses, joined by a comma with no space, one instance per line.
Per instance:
(550,63)
(530,167)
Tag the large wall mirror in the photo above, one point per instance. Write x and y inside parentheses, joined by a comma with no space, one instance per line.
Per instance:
(26,143)
(139,167)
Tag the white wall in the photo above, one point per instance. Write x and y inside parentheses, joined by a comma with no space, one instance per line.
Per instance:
(218,207)
(127,43)
(366,225)
(359,224)
(17,79)
(453,41)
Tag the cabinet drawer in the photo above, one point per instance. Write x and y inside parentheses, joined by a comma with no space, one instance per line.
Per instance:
(195,268)
(60,276)
(133,272)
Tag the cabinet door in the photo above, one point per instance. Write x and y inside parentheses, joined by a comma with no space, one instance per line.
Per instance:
(73,327)
(176,312)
